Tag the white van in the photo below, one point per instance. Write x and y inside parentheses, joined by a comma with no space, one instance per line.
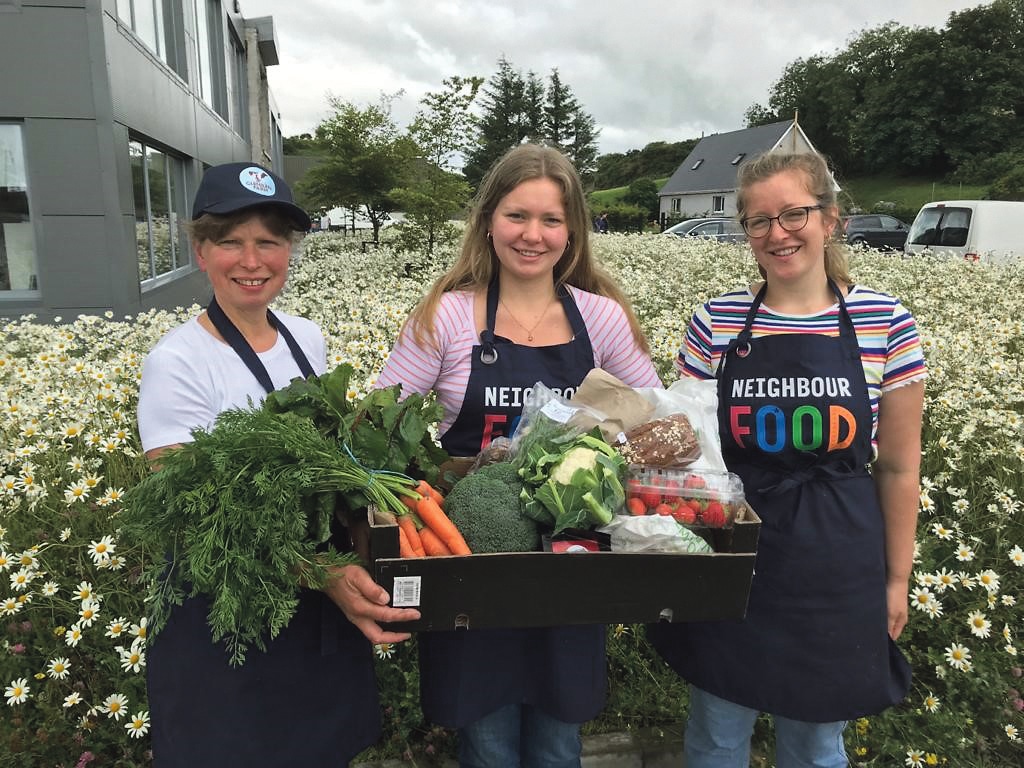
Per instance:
(977,230)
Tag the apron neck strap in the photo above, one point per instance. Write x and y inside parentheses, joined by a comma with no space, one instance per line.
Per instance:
(244,350)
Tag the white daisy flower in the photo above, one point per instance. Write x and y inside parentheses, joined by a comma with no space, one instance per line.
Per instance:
(921,598)
(945,580)
(17,691)
(958,657)
(65,534)
(115,705)
(138,725)
(84,591)
(139,630)
(72,699)
(980,626)
(73,636)
(50,589)
(58,668)
(101,550)
(1017,556)
(931,702)
(915,758)
(117,627)
(989,579)
(1011,732)
(132,660)
(89,612)
(9,606)
(964,553)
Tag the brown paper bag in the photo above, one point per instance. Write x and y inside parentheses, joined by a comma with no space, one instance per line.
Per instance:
(624,406)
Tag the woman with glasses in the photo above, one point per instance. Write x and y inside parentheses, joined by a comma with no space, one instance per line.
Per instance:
(821,391)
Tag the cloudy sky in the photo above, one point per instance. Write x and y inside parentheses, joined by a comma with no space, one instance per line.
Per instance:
(646,70)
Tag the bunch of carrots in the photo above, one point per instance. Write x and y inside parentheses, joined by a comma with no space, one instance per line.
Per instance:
(425,530)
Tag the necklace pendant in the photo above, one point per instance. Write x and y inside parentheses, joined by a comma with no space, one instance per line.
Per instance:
(529,337)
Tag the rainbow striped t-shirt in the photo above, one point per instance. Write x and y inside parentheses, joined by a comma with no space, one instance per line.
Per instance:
(890,347)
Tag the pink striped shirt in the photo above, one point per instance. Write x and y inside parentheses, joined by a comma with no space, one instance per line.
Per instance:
(445,369)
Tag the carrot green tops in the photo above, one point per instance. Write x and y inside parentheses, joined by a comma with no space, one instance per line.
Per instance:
(890,347)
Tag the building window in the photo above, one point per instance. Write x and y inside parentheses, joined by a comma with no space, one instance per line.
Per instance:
(697,165)
(160,25)
(240,88)
(676,204)
(718,204)
(740,156)
(17,237)
(158,183)
(210,48)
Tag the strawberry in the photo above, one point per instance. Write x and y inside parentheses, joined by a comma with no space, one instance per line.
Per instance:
(694,481)
(650,497)
(635,506)
(714,515)
(663,509)
(684,514)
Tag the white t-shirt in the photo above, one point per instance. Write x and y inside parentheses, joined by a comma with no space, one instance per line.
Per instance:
(190,376)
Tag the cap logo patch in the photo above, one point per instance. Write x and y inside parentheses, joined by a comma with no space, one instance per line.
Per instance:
(259,181)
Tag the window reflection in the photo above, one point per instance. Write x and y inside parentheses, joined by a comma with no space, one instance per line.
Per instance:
(17,237)
(159,194)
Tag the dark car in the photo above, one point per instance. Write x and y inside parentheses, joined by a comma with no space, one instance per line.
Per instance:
(719,228)
(876,230)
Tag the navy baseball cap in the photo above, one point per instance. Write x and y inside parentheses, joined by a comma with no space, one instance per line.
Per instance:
(233,186)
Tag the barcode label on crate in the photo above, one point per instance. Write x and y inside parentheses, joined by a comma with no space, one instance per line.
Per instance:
(406,592)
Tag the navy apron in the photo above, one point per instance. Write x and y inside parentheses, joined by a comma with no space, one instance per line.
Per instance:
(795,423)
(310,699)
(466,674)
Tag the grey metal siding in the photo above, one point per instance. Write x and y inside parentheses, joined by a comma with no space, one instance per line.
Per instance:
(83,87)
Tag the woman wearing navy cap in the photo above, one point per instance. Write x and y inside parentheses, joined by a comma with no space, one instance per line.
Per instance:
(311,698)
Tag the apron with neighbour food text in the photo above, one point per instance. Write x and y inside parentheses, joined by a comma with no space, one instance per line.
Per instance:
(466,674)
(795,423)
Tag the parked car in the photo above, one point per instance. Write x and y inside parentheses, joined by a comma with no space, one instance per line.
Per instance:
(977,230)
(876,230)
(718,228)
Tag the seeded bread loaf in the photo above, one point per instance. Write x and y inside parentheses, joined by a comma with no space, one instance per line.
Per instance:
(666,442)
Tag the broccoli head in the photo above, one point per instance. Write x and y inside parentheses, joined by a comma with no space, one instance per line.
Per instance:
(485,507)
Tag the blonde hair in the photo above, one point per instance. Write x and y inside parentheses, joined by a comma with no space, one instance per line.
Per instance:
(477,264)
(819,183)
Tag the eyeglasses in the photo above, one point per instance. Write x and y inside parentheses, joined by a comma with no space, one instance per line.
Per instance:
(791,220)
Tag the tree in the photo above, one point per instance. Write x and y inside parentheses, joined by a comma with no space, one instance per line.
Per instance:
(517,109)
(365,157)
(560,109)
(643,193)
(504,122)
(432,192)
(583,150)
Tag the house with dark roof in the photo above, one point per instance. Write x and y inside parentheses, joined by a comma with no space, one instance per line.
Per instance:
(705,182)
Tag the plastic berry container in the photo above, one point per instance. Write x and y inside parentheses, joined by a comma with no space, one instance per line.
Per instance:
(695,498)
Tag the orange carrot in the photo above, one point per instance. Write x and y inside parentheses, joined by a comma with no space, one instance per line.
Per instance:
(433,517)
(432,545)
(404,547)
(406,525)
(423,488)
(409,501)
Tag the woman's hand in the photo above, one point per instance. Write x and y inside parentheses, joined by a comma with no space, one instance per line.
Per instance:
(897,595)
(365,603)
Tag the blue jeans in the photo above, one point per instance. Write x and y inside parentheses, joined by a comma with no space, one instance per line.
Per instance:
(718,736)
(519,735)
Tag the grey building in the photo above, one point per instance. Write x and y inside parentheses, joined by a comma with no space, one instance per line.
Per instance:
(109,112)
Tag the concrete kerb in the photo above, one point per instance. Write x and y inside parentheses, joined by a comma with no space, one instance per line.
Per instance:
(647,748)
